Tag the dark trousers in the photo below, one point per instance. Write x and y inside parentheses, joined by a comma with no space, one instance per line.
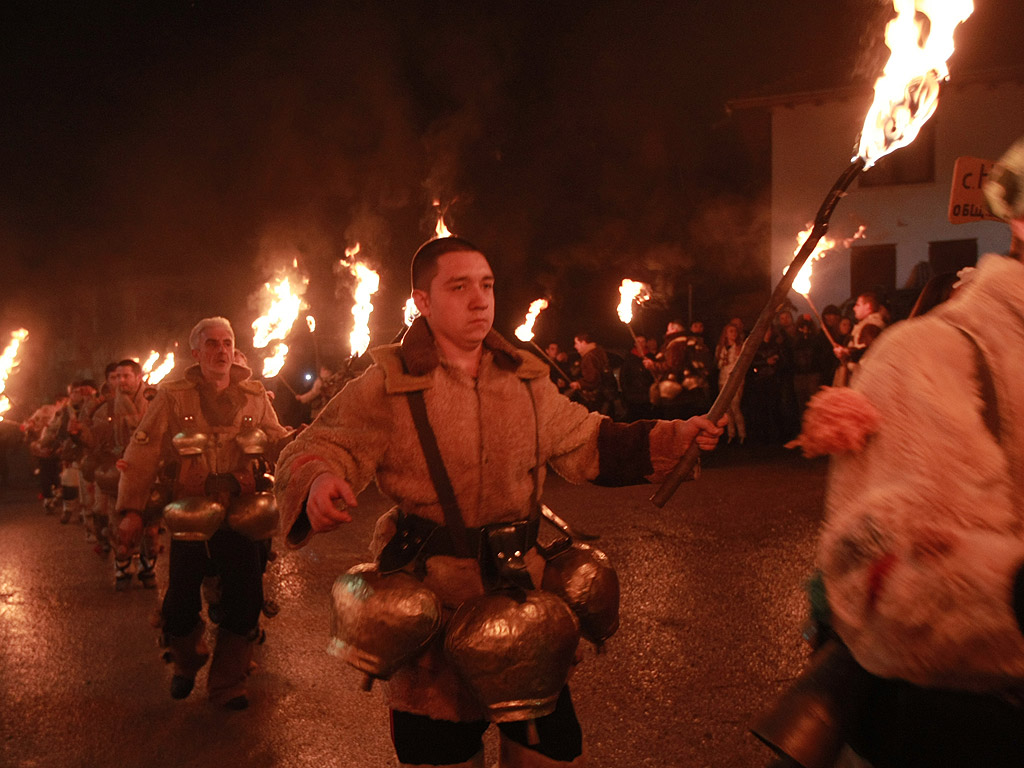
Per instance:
(420,740)
(237,561)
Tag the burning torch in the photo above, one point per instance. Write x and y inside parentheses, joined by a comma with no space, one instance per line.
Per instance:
(920,41)
(525,333)
(276,323)
(8,362)
(630,291)
(367,283)
(802,282)
(409,314)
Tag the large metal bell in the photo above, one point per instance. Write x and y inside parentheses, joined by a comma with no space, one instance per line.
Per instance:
(254,515)
(381,622)
(193,518)
(514,652)
(585,579)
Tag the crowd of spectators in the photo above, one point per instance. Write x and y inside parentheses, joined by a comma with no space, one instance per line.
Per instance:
(678,375)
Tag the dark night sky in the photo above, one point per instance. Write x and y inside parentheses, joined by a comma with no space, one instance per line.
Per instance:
(576,142)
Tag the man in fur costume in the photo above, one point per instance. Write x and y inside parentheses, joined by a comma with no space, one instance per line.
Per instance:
(499,423)
(922,552)
(200,430)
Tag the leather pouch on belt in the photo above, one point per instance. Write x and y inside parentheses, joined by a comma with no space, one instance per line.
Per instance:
(407,543)
(503,548)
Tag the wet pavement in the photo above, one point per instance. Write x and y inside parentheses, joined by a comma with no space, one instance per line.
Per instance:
(712,606)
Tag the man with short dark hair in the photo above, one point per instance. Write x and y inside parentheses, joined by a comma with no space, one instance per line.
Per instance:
(498,423)
(870,323)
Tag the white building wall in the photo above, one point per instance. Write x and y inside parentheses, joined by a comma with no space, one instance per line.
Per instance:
(813,143)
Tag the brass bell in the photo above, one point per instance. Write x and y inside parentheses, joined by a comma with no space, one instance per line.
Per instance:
(193,518)
(584,578)
(381,622)
(513,651)
(812,720)
(190,442)
(254,515)
(251,439)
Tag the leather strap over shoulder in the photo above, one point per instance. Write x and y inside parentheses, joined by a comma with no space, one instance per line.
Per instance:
(439,475)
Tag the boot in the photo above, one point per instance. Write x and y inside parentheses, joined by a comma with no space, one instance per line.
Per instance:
(147,571)
(122,574)
(69,510)
(512,754)
(187,654)
(476,761)
(232,656)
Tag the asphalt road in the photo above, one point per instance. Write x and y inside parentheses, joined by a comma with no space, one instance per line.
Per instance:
(712,607)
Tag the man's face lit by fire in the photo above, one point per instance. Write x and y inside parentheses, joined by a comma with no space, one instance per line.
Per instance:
(216,352)
(459,306)
(862,308)
(127,379)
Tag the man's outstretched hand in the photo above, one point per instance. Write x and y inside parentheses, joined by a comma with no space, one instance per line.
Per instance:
(328,502)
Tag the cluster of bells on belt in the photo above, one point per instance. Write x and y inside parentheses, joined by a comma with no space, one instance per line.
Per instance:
(512,648)
(197,518)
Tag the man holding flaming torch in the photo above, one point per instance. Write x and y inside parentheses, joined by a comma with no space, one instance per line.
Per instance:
(497,423)
(212,435)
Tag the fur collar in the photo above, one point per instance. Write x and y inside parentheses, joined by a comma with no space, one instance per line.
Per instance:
(240,376)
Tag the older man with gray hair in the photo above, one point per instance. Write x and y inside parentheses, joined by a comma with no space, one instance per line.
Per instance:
(207,440)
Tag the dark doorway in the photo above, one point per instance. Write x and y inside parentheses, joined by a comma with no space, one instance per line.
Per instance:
(951,255)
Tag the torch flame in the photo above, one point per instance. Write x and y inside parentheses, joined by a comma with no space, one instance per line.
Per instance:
(411,311)
(8,362)
(802,281)
(630,291)
(440,230)
(367,283)
(920,41)
(311,323)
(150,362)
(525,331)
(284,308)
(156,375)
(273,364)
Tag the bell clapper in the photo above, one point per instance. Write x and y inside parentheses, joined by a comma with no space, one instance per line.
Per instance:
(532,737)
(367,682)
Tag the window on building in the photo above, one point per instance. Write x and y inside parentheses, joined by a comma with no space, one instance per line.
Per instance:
(873,268)
(912,164)
(951,255)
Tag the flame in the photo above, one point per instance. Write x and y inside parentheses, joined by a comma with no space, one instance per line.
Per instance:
(284,308)
(367,283)
(411,311)
(630,291)
(440,230)
(156,375)
(311,323)
(8,362)
(920,41)
(802,281)
(525,331)
(273,364)
(150,361)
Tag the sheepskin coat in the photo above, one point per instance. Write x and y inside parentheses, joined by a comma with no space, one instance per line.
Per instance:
(925,526)
(165,417)
(495,432)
